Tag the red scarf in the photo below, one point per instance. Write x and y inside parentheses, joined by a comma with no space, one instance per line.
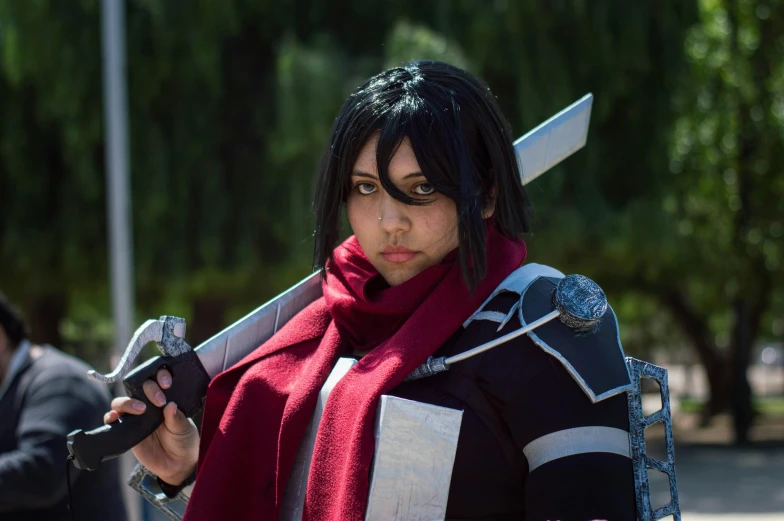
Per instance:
(257,411)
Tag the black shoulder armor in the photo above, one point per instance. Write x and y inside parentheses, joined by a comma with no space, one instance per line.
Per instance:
(595,360)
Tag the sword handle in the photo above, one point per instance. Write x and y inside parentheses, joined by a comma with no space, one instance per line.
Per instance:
(189,387)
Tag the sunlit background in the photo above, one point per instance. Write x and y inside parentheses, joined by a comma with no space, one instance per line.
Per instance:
(675,207)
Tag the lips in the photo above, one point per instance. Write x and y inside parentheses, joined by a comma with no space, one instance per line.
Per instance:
(398,254)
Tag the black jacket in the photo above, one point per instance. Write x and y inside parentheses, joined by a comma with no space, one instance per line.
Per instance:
(512,395)
(46,399)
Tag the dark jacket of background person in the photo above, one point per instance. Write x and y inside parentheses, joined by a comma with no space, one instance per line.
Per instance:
(48,396)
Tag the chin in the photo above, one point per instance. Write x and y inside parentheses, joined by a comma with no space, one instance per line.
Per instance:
(397,277)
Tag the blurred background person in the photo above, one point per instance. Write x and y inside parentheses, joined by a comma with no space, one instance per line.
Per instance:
(44,395)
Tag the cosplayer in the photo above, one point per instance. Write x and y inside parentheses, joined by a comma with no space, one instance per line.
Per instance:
(422,162)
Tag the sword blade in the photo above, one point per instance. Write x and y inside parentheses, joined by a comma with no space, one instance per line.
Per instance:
(236,341)
(554,140)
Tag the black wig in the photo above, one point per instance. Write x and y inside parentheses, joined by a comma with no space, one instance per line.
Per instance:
(461,141)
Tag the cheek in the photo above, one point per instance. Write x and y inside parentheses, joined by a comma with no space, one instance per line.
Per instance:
(440,222)
(358,217)
(351,212)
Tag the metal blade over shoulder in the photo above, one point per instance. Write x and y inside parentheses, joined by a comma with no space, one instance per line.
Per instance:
(554,140)
(233,343)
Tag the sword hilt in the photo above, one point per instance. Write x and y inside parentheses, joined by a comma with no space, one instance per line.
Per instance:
(430,367)
(188,389)
(168,334)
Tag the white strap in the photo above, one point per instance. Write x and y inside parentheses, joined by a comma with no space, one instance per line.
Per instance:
(517,282)
(494,316)
(580,440)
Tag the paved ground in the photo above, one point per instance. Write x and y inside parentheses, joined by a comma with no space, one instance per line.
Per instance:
(719,482)
(722,483)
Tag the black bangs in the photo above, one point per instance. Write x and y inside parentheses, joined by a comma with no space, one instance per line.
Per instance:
(459,137)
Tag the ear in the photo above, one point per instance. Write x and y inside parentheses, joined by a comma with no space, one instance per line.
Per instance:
(489,209)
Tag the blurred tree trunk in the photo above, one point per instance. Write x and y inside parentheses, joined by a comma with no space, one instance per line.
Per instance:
(727,375)
(740,398)
(717,369)
(748,315)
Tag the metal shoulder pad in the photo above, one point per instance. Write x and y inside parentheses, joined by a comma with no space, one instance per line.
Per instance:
(595,360)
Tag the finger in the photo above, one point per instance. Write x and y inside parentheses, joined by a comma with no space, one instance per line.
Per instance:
(164,378)
(154,393)
(175,420)
(110,417)
(125,404)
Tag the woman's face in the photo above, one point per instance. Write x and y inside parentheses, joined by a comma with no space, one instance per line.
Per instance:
(400,240)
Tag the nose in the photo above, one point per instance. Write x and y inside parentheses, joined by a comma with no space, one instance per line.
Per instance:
(393,216)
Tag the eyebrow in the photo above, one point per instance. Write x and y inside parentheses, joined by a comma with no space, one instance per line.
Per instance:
(371,176)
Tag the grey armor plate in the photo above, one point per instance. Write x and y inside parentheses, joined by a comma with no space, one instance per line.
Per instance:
(595,360)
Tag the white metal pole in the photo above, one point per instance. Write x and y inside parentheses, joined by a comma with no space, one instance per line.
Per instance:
(118,200)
